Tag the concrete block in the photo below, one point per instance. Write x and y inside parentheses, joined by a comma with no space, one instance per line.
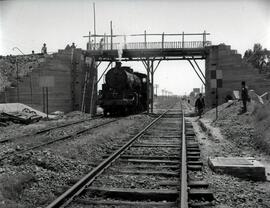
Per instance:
(242,167)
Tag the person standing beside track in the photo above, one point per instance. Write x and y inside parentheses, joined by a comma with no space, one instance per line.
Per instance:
(244,96)
(199,105)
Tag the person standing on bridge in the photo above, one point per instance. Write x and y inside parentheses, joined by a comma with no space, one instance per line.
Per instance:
(199,105)
(244,96)
(44,49)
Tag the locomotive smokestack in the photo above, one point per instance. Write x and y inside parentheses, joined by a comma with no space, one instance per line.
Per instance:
(118,64)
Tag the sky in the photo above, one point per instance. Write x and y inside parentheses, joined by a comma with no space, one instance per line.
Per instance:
(27,24)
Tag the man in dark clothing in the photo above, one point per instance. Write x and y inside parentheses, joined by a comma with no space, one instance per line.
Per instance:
(244,96)
(44,49)
(199,105)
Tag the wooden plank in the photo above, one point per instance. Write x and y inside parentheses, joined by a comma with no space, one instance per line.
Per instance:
(194,167)
(169,183)
(193,153)
(199,162)
(196,184)
(154,166)
(125,203)
(192,158)
(200,193)
(157,145)
(135,194)
(141,172)
(201,204)
(146,157)
(151,161)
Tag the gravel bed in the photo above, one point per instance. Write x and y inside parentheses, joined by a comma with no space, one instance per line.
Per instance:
(17,130)
(27,142)
(54,168)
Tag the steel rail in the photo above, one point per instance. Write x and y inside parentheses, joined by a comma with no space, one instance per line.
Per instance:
(183,189)
(76,189)
(56,140)
(48,129)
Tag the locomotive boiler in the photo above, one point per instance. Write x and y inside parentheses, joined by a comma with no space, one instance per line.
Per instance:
(124,91)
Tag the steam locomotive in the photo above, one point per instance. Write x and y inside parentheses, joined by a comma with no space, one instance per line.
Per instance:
(124,91)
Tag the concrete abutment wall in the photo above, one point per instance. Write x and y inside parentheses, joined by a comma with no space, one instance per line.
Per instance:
(72,87)
(234,70)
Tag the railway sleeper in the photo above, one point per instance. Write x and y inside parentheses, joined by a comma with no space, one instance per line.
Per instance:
(110,202)
(193,158)
(198,184)
(147,157)
(191,153)
(194,167)
(193,149)
(134,194)
(154,166)
(200,194)
(141,161)
(156,173)
(153,145)
(200,204)
(165,137)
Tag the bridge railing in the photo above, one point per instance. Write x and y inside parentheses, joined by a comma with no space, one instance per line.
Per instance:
(151,45)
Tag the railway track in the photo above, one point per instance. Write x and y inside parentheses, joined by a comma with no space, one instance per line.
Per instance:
(150,170)
(45,130)
(57,139)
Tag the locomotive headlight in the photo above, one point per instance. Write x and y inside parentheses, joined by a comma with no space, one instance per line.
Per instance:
(144,80)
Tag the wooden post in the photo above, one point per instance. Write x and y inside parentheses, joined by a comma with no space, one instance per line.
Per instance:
(107,41)
(89,42)
(43,99)
(92,97)
(147,68)
(104,41)
(17,76)
(125,42)
(183,39)
(111,36)
(216,102)
(145,46)
(204,38)
(152,86)
(31,89)
(47,102)
(163,40)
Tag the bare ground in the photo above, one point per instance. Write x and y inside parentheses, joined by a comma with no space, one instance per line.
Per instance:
(232,135)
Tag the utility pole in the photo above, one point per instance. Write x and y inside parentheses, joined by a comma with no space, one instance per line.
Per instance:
(94,8)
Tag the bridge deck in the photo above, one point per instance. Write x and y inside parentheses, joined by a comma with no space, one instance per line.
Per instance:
(142,50)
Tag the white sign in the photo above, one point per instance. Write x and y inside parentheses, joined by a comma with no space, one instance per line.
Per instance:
(46,81)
